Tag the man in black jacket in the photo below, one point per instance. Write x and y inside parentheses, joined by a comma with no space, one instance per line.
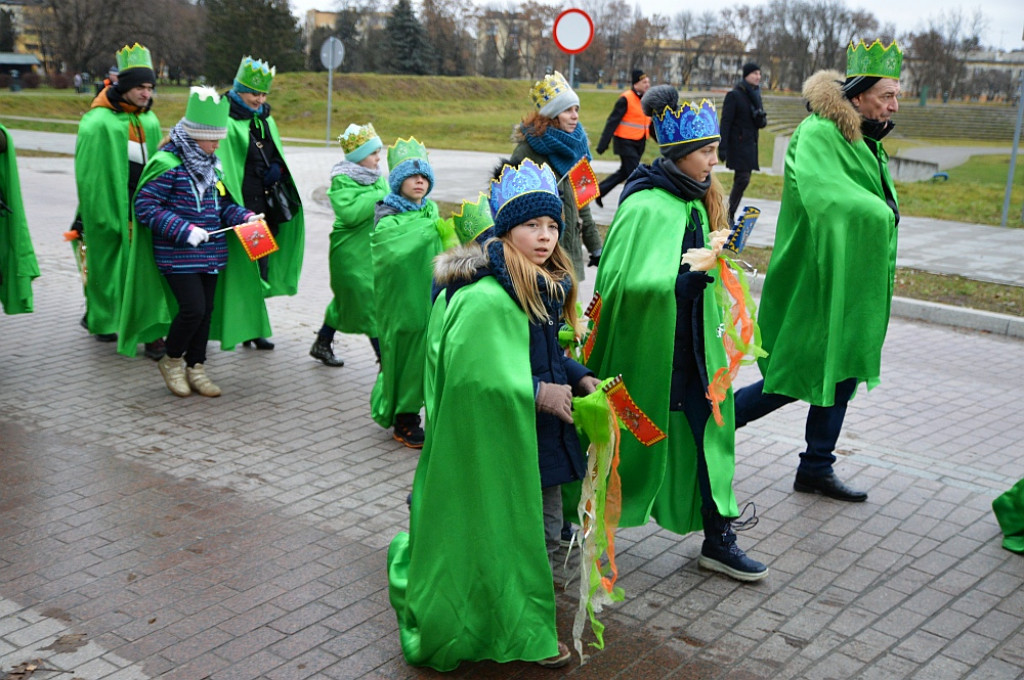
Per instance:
(742,116)
(630,129)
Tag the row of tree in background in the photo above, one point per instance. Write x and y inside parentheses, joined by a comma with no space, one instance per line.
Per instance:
(790,39)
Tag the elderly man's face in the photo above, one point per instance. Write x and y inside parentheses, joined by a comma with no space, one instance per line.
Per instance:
(880,101)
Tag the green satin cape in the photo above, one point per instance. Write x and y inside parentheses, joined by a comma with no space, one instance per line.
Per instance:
(635,338)
(402,249)
(471,579)
(18,265)
(826,298)
(101,175)
(285,265)
(351,310)
(239,310)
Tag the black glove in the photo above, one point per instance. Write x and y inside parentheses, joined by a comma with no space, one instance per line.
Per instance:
(601,149)
(595,259)
(691,284)
(273,175)
(721,153)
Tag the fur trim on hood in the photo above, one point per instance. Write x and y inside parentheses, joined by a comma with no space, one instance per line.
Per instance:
(459,264)
(824,94)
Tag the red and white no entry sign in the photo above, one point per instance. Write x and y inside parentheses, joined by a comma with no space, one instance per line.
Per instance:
(574,30)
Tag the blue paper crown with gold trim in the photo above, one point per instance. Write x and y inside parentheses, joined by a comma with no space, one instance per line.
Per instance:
(255,74)
(877,61)
(690,123)
(472,218)
(135,56)
(514,182)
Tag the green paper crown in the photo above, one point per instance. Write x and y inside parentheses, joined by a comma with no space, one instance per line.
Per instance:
(877,61)
(135,56)
(206,107)
(472,219)
(404,150)
(256,74)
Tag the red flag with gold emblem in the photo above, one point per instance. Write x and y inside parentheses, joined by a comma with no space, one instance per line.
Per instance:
(584,183)
(594,314)
(256,239)
(635,420)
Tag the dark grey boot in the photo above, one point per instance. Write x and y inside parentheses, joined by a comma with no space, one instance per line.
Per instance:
(720,552)
(323,351)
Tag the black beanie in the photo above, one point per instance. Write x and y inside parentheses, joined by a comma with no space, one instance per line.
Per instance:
(637,75)
(749,68)
(134,77)
(856,85)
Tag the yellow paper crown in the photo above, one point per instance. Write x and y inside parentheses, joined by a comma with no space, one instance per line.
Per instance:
(355,136)
(544,91)
(135,56)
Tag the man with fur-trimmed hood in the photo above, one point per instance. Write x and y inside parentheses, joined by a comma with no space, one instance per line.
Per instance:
(826,298)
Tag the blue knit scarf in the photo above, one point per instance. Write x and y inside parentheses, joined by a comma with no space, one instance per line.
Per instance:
(562,149)
(403,204)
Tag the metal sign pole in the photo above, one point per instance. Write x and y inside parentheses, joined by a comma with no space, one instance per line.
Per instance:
(1013,152)
(330,92)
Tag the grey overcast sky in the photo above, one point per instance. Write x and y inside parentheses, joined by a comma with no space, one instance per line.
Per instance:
(1004,18)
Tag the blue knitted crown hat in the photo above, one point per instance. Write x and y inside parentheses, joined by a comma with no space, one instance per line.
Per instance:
(523,193)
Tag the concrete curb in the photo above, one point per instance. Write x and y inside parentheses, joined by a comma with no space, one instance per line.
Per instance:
(947,315)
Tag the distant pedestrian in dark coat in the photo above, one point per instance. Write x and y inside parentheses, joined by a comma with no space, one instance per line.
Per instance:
(742,116)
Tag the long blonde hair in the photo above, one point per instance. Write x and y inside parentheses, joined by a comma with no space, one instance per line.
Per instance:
(524,282)
(714,203)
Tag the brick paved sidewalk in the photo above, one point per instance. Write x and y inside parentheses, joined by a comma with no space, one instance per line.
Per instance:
(145,536)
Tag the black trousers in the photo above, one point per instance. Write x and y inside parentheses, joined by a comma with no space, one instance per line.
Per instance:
(821,431)
(740,182)
(190,329)
(629,151)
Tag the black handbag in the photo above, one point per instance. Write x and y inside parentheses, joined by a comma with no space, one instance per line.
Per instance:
(279,204)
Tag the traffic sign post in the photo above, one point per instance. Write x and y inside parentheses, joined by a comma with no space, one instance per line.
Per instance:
(573,33)
(332,53)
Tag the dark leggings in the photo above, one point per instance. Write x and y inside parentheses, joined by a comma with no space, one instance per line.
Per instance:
(190,329)
(740,182)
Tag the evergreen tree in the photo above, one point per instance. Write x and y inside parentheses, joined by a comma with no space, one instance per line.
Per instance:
(263,29)
(405,41)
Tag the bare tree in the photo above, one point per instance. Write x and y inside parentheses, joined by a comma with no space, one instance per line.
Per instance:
(937,54)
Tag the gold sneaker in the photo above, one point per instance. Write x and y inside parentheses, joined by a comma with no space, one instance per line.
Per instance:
(201,382)
(173,371)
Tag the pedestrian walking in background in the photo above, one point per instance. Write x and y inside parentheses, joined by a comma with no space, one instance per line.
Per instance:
(742,116)
(403,244)
(552,135)
(502,402)
(180,201)
(116,138)
(356,186)
(827,295)
(629,127)
(255,170)
(661,328)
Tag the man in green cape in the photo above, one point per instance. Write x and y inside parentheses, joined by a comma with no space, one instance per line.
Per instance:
(18,265)
(827,295)
(116,139)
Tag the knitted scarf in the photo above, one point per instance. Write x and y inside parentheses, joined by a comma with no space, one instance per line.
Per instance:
(401,203)
(562,149)
(361,175)
(201,166)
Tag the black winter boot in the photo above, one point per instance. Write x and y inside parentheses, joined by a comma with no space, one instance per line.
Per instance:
(720,552)
(408,430)
(323,351)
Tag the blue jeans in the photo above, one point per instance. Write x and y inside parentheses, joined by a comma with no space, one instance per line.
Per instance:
(821,431)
